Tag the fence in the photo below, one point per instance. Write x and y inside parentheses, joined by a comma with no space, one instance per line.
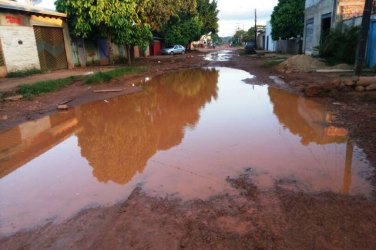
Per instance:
(87,52)
(292,46)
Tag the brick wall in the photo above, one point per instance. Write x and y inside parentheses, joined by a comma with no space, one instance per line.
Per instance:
(19,48)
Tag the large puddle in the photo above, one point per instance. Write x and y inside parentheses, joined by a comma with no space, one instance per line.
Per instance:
(184,135)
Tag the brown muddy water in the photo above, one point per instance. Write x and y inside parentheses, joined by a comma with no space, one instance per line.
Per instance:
(183,136)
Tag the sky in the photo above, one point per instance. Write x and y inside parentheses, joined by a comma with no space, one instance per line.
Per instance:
(233,14)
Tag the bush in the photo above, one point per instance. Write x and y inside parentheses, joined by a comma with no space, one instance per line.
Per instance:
(340,47)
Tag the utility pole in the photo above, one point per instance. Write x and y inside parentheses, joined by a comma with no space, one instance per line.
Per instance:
(256,28)
(361,49)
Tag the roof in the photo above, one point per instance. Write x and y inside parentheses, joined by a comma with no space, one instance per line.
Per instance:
(20,7)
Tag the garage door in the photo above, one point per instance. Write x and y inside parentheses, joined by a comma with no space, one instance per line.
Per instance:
(51,48)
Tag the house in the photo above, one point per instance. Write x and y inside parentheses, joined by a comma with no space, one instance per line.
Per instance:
(205,41)
(32,38)
(260,40)
(270,45)
(323,15)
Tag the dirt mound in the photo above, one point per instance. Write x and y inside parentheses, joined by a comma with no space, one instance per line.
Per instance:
(301,63)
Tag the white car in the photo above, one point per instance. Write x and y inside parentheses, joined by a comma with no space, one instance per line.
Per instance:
(175,49)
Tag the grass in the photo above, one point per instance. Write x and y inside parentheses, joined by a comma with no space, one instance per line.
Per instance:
(272,63)
(43,87)
(38,88)
(107,76)
(24,73)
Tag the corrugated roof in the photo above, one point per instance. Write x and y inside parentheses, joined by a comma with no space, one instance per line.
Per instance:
(16,6)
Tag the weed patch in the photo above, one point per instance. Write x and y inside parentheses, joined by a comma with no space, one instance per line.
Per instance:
(272,63)
(24,73)
(109,75)
(45,86)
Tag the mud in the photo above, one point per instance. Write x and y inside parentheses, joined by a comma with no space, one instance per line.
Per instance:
(223,165)
(280,219)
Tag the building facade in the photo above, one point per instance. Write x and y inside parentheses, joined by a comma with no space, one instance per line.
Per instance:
(270,45)
(32,38)
(319,19)
(323,15)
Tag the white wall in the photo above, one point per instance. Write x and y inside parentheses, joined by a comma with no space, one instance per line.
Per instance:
(269,43)
(19,56)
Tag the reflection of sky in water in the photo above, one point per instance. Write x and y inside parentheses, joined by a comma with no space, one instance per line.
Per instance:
(183,135)
(219,56)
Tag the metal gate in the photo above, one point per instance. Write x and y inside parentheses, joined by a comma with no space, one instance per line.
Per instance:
(372,45)
(51,48)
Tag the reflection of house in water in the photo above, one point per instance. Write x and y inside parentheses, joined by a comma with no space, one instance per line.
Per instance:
(308,120)
(118,138)
(305,118)
(31,139)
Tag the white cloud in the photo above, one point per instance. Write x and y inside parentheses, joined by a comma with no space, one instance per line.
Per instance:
(48,4)
(239,13)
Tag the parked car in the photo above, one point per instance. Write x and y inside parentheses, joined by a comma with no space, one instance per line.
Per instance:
(250,48)
(175,49)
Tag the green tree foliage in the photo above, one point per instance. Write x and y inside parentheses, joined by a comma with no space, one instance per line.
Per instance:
(208,14)
(130,22)
(157,13)
(242,36)
(183,30)
(199,17)
(215,38)
(117,20)
(107,15)
(239,37)
(288,19)
(340,46)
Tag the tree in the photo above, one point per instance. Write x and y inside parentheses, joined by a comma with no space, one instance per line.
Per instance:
(288,19)
(216,39)
(208,14)
(183,30)
(157,13)
(113,19)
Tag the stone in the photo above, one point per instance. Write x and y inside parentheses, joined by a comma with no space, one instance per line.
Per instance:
(366,80)
(334,84)
(314,90)
(348,82)
(13,98)
(62,107)
(359,88)
(371,87)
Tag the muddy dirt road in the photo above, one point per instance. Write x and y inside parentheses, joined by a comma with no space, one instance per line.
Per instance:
(207,157)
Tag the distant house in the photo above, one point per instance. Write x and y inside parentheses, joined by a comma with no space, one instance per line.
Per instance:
(32,38)
(270,45)
(205,41)
(260,36)
(323,15)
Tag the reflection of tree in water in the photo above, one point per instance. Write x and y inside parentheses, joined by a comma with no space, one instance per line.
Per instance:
(119,137)
(304,118)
